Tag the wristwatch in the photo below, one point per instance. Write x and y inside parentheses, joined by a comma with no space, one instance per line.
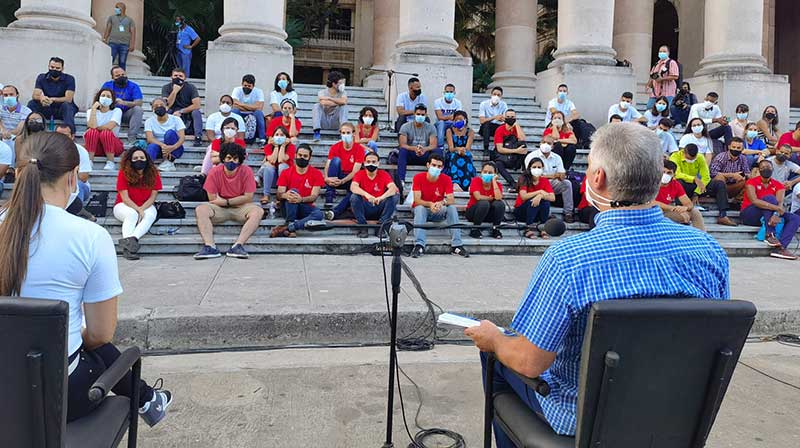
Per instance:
(227,202)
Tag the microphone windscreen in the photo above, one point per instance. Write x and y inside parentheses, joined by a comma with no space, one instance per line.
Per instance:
(555,227)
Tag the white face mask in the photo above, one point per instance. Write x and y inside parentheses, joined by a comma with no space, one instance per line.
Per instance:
(495,99)
(545,148)
(105,101)
(537,172)
(659,132)
(665,178)
(623,105)
(225,108)
(229,133)
(595,200)
(557,122)
(697,129)
(74,194)
(708,104)
(340,88)
(367,120)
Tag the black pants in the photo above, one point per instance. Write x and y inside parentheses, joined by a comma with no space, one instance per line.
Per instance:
(58,111)
(579,129)
(505,162)
(586,215)
(487,131)
(92,364)
(722,131)
(484,211)
(567,153)
(716,189)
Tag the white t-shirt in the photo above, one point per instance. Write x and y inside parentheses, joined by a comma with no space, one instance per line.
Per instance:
(447,108)
(629,114)
(214,122)
(552,164)
(565,108)
(276,97)
(782,171)
(668,143)
(173,123)
(6,154)
(85,165)
(652,120)
(87,266)
(703,144)
(699,111)
(255,96)
(104,118)
(795,198)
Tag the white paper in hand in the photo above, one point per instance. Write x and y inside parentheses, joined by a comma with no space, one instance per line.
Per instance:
(457,320)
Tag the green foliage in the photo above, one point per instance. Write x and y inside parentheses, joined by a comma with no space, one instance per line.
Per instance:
(7,9)
(482,73)
(294,32)
(309,17)
(474,28)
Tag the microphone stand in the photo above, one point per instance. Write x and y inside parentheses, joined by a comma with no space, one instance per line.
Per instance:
(389,75)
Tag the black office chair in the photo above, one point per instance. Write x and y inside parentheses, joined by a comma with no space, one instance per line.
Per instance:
(653,373)
(33,383)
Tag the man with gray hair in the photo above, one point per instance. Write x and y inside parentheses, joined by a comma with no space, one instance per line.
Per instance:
(633,252)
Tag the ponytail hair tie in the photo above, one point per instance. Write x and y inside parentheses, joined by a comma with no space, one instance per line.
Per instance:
(36,162)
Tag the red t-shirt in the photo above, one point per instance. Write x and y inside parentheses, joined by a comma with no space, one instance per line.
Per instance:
(501,133)
(290,151)
(769,190)
(478,185)
(563,133)
(278,121)
(432,191)
(349,157)
(375,187)
(216,145)
(584,203)
(138,195)
(543,185)
(228,187)
(303,183)
(670,192)
(364,134)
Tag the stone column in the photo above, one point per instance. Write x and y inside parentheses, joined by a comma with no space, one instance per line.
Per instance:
(733,65)
(515,47)
(633,37)
(249,42)
(46,28)
(385,29)
(426,46)
(102,9)
(584,60)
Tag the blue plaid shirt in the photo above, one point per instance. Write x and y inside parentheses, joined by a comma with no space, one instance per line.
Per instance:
(631,253)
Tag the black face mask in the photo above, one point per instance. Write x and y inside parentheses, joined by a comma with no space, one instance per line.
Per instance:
(35,126)
(247,90)
(770,116)
(121,81)
(735,153)
(417,92)
(371,168)
(781,158)
(302,163)
(511,121)
(766,173)
(139,165)
(54,74)
(160,111)
(177,81)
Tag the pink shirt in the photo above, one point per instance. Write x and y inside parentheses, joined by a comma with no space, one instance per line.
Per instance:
(665,88)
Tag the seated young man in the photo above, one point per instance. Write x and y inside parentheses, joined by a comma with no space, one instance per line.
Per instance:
(374,195)
(663,131)
(298,188)
(626,110)
(344,161)
(330,111)
(417,141)
(230,187)
(510,147)
(434,201)
(694,176)
(249,100)
(671,192)
(731,167)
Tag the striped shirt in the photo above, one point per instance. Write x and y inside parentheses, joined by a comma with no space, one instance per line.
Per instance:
(722,163)
(630,254)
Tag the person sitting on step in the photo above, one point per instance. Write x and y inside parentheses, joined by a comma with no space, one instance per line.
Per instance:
(230,187)
(368,129)
(138,184)
(417,140)
(731,167)
(279,156)
(534,196)
(460,166)
(53,94)
(664,134)
(671,192)
(214,121)
(407,102)
(374,195)
(626,110)
(249,100)
(344,161)
(510,146)
(298,189)
(283,90)
(444,108)
(754,148)
(165,135)
(486,202)
(129,100)
(694,176)
(330,111)
(288,120)
(229,133)
(564,140)
(491,114)
(555,173)
(716,123)
(102,128)
(78,206)
(182,99)
(697,133)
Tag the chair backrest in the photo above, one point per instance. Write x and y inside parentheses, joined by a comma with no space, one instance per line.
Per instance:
(654,371)
(33,377)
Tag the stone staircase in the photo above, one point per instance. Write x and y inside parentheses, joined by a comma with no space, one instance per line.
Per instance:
(181,236)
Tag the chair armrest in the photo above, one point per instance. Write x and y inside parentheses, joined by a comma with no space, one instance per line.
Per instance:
(537,384)
(114,374)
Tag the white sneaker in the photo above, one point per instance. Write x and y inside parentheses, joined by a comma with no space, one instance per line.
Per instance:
(110,166)
(197,169)
(166,166)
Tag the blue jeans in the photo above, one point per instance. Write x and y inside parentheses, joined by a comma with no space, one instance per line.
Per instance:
(751,216)
(679,116)
(261,128)
(170,138)
(120,53)
(84,191)
(406,157)
(505,380)
(383,212)
(185,61)
(297,215)
(267,175)
(530,214)
(372,145)
(335,170)
(423,215)
(652,100)
(59,111)
(441,128)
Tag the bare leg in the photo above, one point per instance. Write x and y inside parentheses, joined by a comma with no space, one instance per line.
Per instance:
(204,214)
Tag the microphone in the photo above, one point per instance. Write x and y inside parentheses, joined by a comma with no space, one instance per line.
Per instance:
(555,227)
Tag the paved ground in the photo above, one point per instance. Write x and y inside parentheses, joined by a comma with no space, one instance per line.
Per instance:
(336,398)
(178,303)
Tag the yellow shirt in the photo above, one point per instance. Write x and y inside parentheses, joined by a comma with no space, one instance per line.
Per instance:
(689,171)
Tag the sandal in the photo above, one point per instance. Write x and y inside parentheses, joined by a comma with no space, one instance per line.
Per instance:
(265,200)
(543,235)
(530,234)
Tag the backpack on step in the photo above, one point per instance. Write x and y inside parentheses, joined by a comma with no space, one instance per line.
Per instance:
(190,188)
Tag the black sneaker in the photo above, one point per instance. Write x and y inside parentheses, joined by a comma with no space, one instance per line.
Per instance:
(460,251)
(198,141)
(475,233)
(497,234)
(237,251)
(363,233)
(418,251)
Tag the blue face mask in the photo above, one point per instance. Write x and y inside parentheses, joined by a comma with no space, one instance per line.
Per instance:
(434,172)
(282,84)
(231,166)
(459,124)
(487,177)
(448,96)
(177,23)
(419,118)
(742,115)
(752,134)
(663,55)
(10,101)
(117,11)
(347,138)
(562,95)
(279,139)
(661,107)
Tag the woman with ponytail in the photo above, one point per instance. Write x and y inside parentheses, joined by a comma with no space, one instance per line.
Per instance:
(35,229)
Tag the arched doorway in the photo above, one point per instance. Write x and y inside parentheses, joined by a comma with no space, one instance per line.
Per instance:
(665,28)
(787,39)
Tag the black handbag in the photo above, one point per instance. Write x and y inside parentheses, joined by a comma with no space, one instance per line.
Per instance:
(98,204)
(169,210)
(190,188)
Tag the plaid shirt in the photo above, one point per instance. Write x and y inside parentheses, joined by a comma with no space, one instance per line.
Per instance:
(722,163)
(631,253)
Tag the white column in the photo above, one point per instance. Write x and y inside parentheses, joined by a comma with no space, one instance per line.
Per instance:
(633,36)
(252,40)
(102,9)
(60,15)
(515,47)
(385,32)
(426,46)
(585,32)
(733,37)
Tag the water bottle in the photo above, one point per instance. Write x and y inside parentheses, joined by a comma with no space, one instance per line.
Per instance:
(51,125)
(271,210)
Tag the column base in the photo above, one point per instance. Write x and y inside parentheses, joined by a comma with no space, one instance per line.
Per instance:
(226,57)
(434,72)
(136,65)
(85,56)
(754,89)
(515,83)
(593,88)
